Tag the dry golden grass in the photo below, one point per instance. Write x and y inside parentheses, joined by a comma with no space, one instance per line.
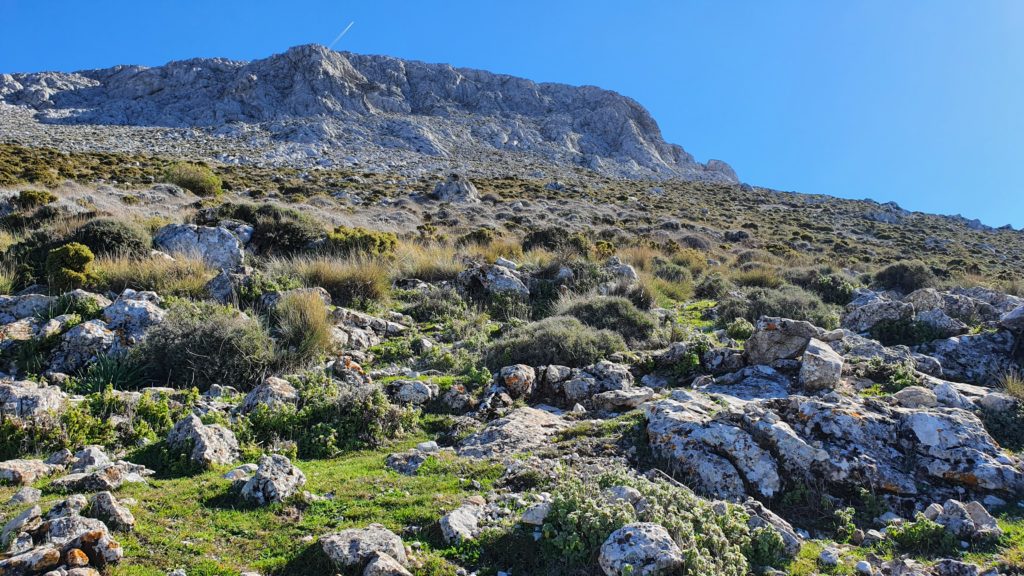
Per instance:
(430,263)
(1013,384)
(501,247)
(183,276)
(303,328)
(7,277)
(358,282)
(760,277)
(639,256)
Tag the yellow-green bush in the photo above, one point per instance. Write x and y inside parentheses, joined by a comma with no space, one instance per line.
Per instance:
(69,266)
(360,241)
(196,178)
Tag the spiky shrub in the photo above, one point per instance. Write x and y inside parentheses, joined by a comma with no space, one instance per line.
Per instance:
(712,286)
(29,199)
(302,328)
(69,267)
(611,313)
(905,276)
(582,516)
(347,241)
(203,344)
(276,230)
(921,536)
(110,237)
(788,302)
(556,340)
(195,178)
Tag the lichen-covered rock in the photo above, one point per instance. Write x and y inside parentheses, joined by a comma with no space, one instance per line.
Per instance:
(132,314)
(866,317)
(275,481)
(35,561)
(24,472)
(821,367)
(415,392)
(517,379)
(271,392)
(521,431)
(620,400)
(456,188)
(218,247)
(778,338)
(210,445)
(354,548)
(640,549)
(14,308)
(975,358)
(968,521)
(494,281)
(461,524)
(27,399)
(82,345)
(105,507)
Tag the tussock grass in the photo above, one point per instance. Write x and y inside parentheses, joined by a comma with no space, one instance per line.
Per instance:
(357,282)
(1013,384)
(302,327)
(759,277)
(7,277)
(500,247)
(183,276)
(429,263)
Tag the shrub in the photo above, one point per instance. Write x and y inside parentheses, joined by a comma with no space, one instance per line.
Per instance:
(582,516)
(29,199)
(712,287)
(739,329)
(120,372)
(347,241)
(787,302)
(110,237)
(905,276)
(204,344)
(611,313)
(330,417)
(8,277)
(759,277)
(907,332)
(893,376)
(303,328)
(276,230)
(670,271)
(638,292)
(557,239)
(556,340)
(196,178)
(435,304)
(922,536)
(69,267)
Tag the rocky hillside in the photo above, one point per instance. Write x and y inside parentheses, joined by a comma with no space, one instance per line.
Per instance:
(360,108)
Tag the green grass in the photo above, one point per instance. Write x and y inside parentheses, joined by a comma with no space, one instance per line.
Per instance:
(193,522)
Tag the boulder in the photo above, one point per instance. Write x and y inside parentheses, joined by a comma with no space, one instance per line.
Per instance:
(132,314)
(14,308)
(105,507)
(415,392)
(866,317)
(209,445)
(456,188)
(778,338)
(622,400)
(462,523)
(24,472)
(384,565)
(821,367)
(218,247)
(354,548)
(275,480)
(517,379)
(968,521)
(524,429)
(35,561)
(82,345)
(271,392)
(493,281)
(1013,320)
(640,549)
(27,399)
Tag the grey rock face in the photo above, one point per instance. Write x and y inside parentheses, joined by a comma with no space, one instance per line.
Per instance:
(132,314)
(522,430)
(105,507)
(26,399)
(271,392)
(641,548)
(210,445)
(353,548)
(275,480)
(456,188)
(82,345)
(218,247)
(312,95)
(778,338)
(821,367)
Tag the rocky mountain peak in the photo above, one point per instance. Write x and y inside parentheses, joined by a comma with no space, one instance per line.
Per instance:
(352,103)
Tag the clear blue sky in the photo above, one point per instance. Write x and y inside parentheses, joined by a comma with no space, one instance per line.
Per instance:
(917,101)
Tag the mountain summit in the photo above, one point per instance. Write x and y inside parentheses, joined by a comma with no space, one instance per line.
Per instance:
(353,104)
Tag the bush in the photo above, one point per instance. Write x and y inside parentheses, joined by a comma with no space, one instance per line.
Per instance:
(303,328)
(787,302)
(29,199)
(435,304)
(758,277)
(556,340)
(196,178)
(347,241)
(893,376)
(907,332)
(582,516)
(712,287)
(611,313)
(739,329)
(557,239)
(276,230)
(183,276)
(110,237)
(69,267)
(204,344)
(670,271)
(330,417)
(922,536)
(905,276)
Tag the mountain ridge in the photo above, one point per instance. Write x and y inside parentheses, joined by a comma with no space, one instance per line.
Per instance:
(312,95)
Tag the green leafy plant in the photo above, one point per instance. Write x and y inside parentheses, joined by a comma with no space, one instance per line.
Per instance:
(195,178)
(69,267)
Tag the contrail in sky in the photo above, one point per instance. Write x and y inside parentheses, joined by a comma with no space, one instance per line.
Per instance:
(342,34)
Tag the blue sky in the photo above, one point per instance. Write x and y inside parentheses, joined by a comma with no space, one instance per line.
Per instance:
(917,101)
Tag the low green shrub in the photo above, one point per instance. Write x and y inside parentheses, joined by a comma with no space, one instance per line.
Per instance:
(557,239)
(907,332)
(434,304)
(905,276)
(739,329)
(110,237)
(556,340)
(203,344)
(712,286)
(69,267)
(345,241)
(893,376)
(787,302)
(195,178)
(29,199)
(612,313)
(921,536)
